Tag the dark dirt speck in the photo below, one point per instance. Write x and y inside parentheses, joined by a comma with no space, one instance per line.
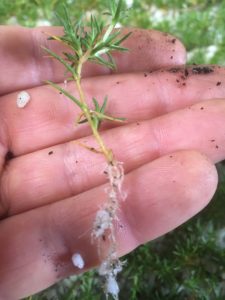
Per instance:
(50,152)
(186,73)
(218,83)
(174,70)
(202,70)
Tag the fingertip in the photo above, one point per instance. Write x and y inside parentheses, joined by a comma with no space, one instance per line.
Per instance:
(151,50)
(204,177)
(164,194)
(173,47)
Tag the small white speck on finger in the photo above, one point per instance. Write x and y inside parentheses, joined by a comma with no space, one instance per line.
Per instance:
(78,261)
(22,99)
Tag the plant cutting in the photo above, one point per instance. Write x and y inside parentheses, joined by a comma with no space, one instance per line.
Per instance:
(95,43)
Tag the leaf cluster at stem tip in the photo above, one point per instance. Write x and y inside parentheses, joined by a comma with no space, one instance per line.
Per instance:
(89,43)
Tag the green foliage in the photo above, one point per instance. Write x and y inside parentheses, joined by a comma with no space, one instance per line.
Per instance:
(89,43)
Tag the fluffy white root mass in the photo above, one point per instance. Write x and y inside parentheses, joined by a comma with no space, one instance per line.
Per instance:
(103,228)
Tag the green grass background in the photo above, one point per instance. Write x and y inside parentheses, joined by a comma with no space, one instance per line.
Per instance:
(188,263)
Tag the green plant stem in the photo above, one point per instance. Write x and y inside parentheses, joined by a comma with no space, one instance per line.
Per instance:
(106,152)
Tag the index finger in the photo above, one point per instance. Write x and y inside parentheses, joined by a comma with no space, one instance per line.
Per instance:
(24,65)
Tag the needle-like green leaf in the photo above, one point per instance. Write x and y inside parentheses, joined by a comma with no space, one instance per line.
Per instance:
(64,92)
(60,59)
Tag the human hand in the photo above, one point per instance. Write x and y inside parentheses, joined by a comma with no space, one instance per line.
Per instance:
(51,189)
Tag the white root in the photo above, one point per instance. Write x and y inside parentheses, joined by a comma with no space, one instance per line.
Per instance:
(104,227)
(22,99)
(103,221)
(112,287)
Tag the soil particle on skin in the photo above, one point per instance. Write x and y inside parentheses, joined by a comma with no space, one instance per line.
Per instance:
(174,70)
(145,75)
(202,108)
(171,57)
(186,73)
(117,82)
(50,152)
(212,141)
(202,70)
(218,83)
(173,41)
(216,146)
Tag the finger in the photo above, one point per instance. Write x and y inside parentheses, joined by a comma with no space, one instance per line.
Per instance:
(65,170)
(49,118)
(45,239)
(21,50)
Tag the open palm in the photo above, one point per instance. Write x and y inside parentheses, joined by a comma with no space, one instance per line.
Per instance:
(51,187)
